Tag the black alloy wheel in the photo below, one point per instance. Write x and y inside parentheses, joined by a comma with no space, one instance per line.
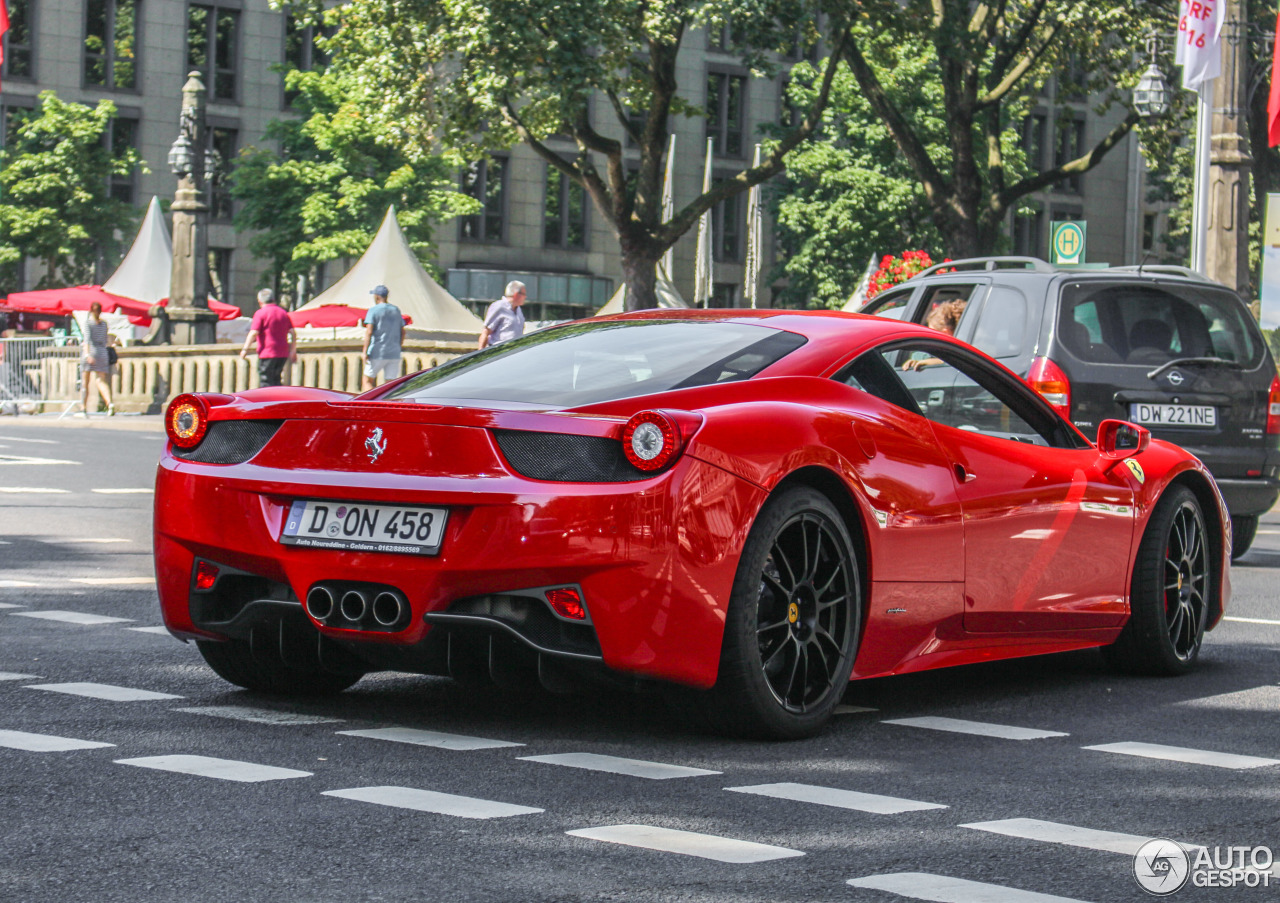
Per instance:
(1169,604)
(793,622)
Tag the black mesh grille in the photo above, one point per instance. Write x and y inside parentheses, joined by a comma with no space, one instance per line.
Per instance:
(567,459)
(230,441)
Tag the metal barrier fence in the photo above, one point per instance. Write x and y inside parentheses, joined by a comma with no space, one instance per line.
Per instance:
(27,366)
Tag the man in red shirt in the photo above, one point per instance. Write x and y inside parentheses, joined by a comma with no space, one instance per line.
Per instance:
(277,342)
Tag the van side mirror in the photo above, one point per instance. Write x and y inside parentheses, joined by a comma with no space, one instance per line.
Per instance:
(1119,439)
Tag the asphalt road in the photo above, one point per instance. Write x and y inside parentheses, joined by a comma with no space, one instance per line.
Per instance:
(113,820)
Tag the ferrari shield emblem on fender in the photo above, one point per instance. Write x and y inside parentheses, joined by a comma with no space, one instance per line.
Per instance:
(1136,469)
(375,445)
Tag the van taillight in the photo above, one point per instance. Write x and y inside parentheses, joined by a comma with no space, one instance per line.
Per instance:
(1273,408)
(1047,378)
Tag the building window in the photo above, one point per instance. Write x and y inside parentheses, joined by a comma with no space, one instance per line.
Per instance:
(213,47)
(111,44)
(1149,222)
(722,37)
(1068,148)
(788,112)
(222,150)
(220,274)
(301,52)
(726,229)
(19,61)
(564,216)
(724,294)
(486,181)
(726,112)
(120,137)
(10,110)
(1034,131)
(1028,233)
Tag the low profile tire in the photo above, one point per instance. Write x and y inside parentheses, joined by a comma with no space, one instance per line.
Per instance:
(793,622)
(1169,604)
(233,661)
(1243,528)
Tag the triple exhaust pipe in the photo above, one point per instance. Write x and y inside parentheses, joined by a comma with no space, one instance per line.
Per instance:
(358,606)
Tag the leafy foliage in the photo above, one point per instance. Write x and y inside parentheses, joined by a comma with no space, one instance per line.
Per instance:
(54,200)
(322,195)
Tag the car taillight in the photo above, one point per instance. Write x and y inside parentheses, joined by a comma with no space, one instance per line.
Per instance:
(206,576)
(187,420)
(1047,378)
(1273,407)
(651,440)
(567,603)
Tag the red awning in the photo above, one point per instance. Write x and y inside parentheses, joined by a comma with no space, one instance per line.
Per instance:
(62,302)
(330,316)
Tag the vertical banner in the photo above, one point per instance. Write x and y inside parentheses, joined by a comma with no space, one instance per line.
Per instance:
(1199,50)
(704,266)
(755,239)
(667,265)
(1269,317)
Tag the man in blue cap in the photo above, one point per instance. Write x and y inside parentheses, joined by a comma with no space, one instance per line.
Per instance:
(383,336)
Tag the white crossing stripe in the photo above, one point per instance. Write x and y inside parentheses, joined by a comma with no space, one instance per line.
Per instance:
(432,801)
(853,709)
(103,691)
(31,490)
(943,889)
(1258,699)
(70,617)
(636,768)
(161,630)
(979,728)
(840,799)
(257,716)
(429,738)
(688,843)
(14,675)
(1183,754)
(123,491)
(1070,835)
(115,581)
(45,742)
(223,769)
(14,584)
(1253,621)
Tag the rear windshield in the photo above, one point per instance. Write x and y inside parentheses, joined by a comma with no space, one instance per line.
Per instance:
(584,363)
(1143,324)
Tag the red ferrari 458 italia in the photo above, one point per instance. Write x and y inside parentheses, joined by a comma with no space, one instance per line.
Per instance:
(756,506)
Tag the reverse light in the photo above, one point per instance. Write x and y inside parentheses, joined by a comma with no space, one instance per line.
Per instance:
(1047,378)
(567,603)
(187,420)
(1273,408)
(206,576)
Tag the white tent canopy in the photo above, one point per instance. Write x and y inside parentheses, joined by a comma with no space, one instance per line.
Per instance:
(389,261)
(143,275)
(668,296)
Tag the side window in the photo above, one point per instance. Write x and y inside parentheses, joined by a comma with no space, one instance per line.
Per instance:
(890,304)
(1002,325)
(943,306)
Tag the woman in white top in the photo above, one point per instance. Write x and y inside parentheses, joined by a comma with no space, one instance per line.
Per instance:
(95,361)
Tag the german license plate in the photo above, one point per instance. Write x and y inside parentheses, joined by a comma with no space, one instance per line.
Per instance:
(407,529)
(1192,415)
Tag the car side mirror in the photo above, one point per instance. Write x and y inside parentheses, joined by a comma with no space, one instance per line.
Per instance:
(1119,439)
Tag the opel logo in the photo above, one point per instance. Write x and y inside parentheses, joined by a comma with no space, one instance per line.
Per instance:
(375,445)
(1175,378)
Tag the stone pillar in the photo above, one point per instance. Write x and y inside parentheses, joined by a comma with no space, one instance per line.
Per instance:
(1230,164)
(190,320)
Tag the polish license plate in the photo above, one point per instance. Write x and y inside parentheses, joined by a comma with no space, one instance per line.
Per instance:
(1190,415)
(408,529)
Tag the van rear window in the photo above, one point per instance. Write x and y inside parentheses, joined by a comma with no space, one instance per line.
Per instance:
(1146,325)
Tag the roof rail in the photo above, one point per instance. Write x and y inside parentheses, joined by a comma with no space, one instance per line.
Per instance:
(1164,269)
(992,263)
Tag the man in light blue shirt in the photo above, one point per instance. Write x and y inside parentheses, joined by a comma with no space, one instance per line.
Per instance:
(383,336)
(504,319)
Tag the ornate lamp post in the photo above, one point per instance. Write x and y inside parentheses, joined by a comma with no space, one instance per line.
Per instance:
(190,320)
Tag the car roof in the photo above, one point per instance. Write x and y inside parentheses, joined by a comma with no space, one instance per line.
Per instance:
(816,325)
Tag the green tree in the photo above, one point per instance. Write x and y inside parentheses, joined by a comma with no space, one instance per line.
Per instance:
(55,204)
(483,75)
(321,196)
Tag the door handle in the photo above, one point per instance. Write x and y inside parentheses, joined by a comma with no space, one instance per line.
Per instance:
(963,475)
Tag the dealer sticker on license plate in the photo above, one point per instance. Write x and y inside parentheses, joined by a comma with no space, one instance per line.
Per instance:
(1193,415)
(356,525)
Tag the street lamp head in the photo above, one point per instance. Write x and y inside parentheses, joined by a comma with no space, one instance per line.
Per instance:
(1152,96)
(180,156)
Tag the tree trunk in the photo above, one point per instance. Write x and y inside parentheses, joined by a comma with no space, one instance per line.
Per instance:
(641,277)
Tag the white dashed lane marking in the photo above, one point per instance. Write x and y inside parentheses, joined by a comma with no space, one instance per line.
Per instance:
(123,491)
(257,716)
(223,769)
(14,584)
(840,799)
(429,738)
(31,490)
(944,889)
(14,675)
(688,843)
(1254,621)
(978,728)
(103,691)
(1069,835)
(636,768)
(115,581)
(94,540)
(160,630)
(45,742)
(432,801)
(1258,699)
(32,441)
(25,459)
(1183,754)
(70,617)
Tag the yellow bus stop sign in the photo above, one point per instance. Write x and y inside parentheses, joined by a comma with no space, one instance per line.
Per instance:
(1067,242)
